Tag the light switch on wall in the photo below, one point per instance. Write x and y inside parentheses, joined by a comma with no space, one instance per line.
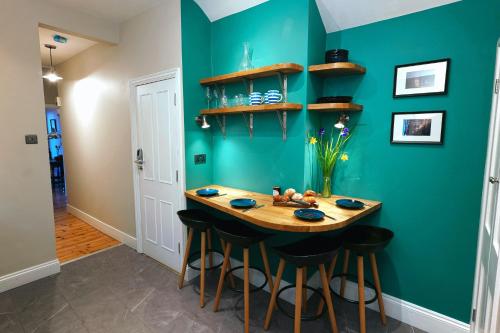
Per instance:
(31,139)
(200,159)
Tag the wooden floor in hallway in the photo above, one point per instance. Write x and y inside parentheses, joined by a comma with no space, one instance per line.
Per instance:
(76,238)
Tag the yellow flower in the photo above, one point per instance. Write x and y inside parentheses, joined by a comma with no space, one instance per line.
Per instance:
(344,157)
(313,140)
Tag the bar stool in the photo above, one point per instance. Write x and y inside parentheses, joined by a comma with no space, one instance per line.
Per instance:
(313,251)
(237,233)
(365,240)
(198,220)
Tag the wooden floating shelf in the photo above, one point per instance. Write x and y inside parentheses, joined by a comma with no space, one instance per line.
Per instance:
(256,73)
(335,107)
(337,69)
(253,109)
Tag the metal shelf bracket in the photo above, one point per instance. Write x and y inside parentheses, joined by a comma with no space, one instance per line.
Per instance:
(222,124)
(282,120)
(283,79)
(249,123)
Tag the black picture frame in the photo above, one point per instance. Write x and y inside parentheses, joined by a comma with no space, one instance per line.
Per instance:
(441,137)
(447,75)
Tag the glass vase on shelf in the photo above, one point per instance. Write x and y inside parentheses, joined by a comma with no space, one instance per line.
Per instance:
(246,60)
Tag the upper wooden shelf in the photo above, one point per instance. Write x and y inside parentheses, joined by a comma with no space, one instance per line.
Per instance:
(256,73)
(254,108)
(335,107)
(337,68)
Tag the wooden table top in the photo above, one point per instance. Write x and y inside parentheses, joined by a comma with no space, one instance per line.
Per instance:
(282,218)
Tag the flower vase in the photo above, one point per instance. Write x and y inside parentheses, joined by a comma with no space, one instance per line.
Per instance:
(327,186)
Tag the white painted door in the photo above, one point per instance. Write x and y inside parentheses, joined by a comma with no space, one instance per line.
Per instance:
(485,319)
(158,164)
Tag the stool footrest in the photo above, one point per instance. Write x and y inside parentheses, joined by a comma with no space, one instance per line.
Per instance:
(303,317)
(194,256)
(252,290)
(368,283)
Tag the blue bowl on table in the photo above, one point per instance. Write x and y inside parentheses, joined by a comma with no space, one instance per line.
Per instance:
(243,203)
(207,192)
(350,204)
(308,214)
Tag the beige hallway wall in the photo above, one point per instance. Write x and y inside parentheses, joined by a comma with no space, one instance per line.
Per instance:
(26,219)
(95,114)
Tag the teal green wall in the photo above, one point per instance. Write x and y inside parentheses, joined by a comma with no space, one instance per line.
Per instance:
(431,194)
(276,35)
(196,29)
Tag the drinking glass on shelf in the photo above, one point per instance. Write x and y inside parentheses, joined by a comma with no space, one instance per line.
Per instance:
(208,97)
(224,102)
(216,97)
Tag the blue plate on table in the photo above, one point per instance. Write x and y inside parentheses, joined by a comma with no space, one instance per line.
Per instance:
(308,214)
(350,204)
(242,203)
(207,192)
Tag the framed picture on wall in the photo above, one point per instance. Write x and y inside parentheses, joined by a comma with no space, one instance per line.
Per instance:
(425,127)
(421,79)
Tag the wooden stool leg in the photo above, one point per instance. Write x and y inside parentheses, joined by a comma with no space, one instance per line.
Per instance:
(202,277)
(298,299)
(246,289)
(267,269)
(304,290)
(376,279)
(329,276)
(186,255)
(209,243)
(361,295)
(328,296)
(344,271)
(272,302)
(231,277)
(227,254)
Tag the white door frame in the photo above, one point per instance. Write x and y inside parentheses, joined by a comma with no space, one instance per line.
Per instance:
(489,157)
(133,84)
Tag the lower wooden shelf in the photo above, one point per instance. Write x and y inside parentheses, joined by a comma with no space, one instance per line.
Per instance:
(335,107)
(253,109)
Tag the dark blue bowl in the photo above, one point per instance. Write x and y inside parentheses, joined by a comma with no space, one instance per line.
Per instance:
(207,192)
(242,203)
(309,214)
(350,204)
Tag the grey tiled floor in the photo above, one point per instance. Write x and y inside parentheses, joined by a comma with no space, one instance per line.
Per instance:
(121,291)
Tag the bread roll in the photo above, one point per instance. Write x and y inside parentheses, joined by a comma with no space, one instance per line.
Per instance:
(310,200)
(297,196)
(289,192)
(309,193)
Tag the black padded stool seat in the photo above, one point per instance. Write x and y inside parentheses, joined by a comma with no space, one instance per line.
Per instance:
(311,251)
(237,233)
(367,239)
(196,219)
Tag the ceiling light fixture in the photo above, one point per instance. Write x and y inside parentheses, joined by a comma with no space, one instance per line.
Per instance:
(51,75)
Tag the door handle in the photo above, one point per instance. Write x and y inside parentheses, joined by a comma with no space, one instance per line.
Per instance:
(494,180)
(139,161)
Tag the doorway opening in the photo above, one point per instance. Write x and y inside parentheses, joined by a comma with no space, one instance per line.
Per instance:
(75,238)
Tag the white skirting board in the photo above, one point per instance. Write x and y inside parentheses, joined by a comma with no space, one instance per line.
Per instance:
(30,274)
(103,227)
(406,312)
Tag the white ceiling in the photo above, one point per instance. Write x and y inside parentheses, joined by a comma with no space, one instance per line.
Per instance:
(217,9)
(336,14)
(344,14)
(63,52)
(113,10)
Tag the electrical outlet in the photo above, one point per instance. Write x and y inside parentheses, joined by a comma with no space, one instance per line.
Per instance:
(200,159)
(31,139)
